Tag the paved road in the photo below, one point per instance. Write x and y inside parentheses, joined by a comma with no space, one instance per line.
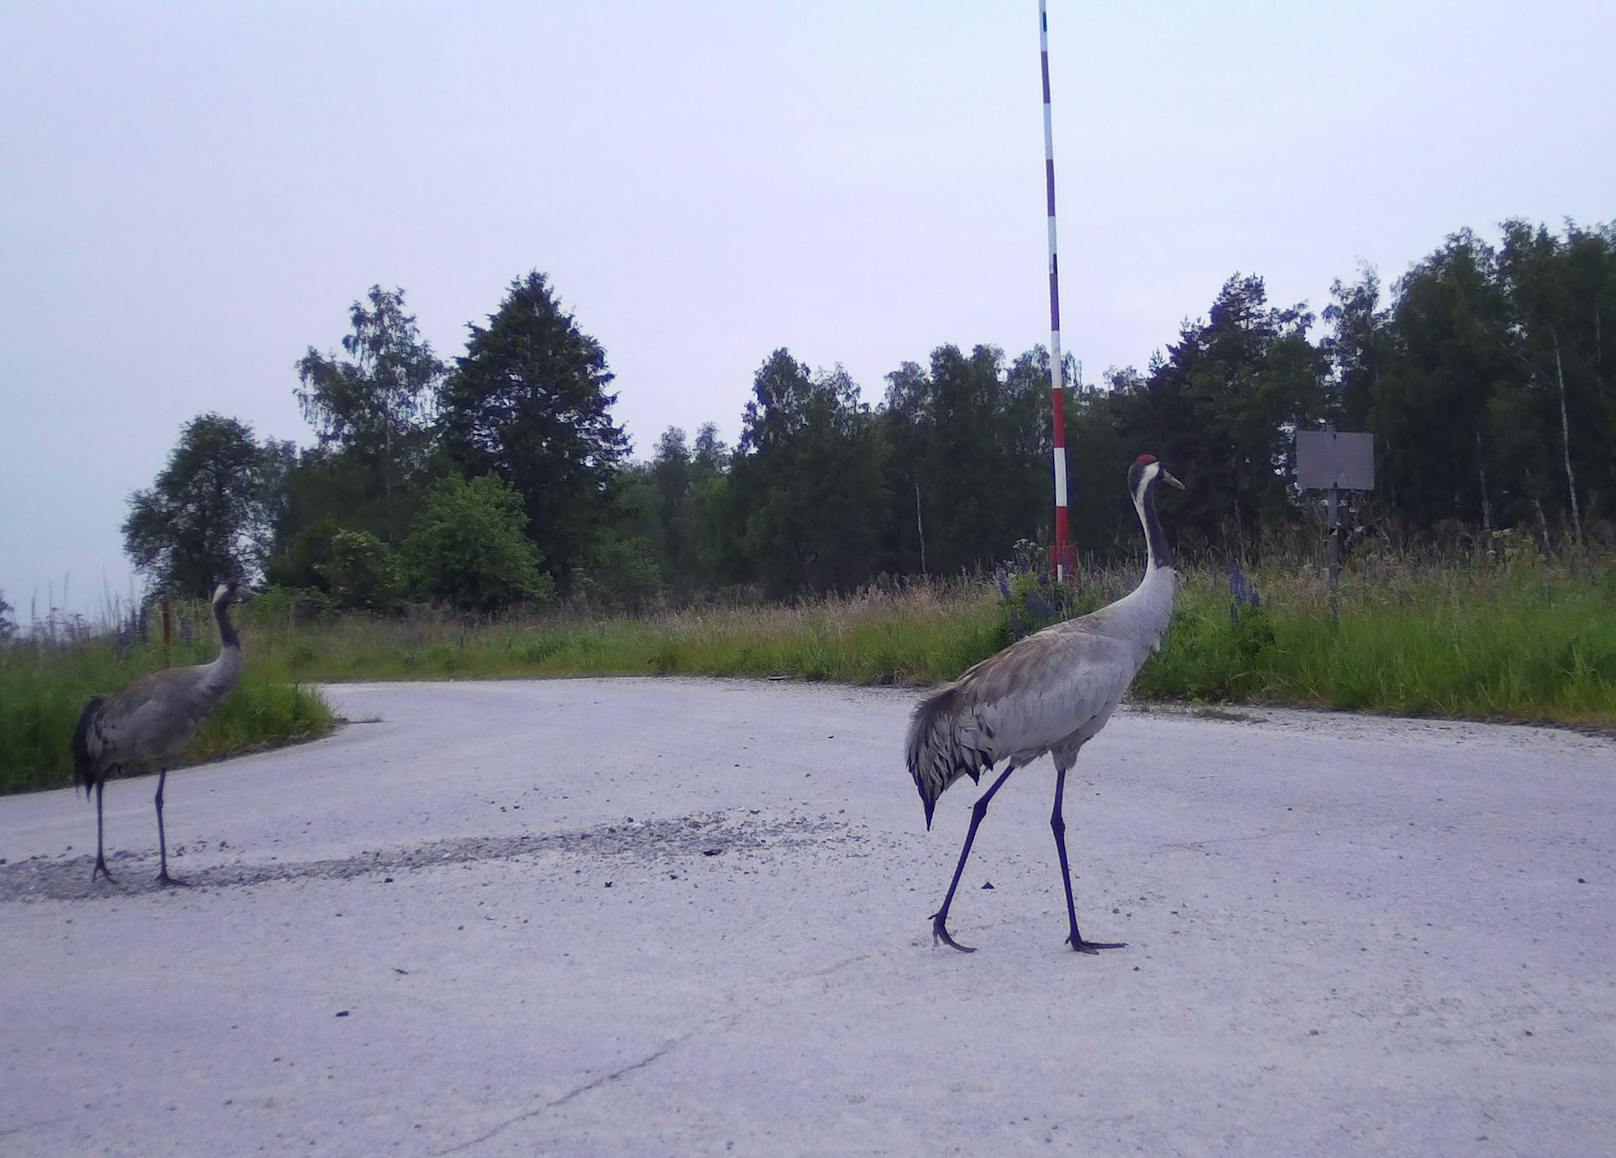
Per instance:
(688,917)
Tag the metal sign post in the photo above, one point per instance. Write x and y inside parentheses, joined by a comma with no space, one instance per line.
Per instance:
(1334,461)
(1063,549)
(1334,516)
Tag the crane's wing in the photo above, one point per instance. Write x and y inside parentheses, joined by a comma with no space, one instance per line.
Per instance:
(1055,688)
(152,717)
(1058,685)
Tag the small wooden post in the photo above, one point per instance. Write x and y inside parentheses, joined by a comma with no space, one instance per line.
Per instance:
(920,527)
(1335,554)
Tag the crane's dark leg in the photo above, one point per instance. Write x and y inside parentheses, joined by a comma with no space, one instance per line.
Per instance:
(1058,823)
(162,842)
(100,868)
(939,920)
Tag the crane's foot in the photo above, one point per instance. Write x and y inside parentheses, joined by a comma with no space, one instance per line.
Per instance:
(171,882)
(1083,946)
(100,870)
(939,933)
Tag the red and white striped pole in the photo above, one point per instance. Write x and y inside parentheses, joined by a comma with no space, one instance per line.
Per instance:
(1063,549)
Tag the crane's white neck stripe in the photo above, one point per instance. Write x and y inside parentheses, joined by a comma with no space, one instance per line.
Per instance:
(1156,550)
(1145,477)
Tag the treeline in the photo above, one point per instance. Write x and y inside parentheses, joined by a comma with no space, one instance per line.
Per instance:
(502,476)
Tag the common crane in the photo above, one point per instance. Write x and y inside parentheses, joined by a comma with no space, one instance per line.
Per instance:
(1050,692)
(150,720)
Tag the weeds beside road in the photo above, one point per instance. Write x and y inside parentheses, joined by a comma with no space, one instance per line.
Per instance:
(1533,641)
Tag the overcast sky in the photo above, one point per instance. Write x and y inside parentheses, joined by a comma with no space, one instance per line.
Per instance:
(191,194)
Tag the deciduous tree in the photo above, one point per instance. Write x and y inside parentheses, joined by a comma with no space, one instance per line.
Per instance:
(467,547)
(373,407)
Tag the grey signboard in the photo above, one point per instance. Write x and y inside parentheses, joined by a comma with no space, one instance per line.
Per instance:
(1333,458)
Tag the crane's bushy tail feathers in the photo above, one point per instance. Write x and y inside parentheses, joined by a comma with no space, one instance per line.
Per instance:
(83,761)
(940,750)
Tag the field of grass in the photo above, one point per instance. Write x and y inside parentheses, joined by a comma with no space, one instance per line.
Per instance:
(1531,641)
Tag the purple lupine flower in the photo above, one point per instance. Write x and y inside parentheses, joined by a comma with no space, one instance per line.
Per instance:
(1240,587)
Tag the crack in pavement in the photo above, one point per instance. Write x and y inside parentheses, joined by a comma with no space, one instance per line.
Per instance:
(577,1091)
(758,1003)
(615,1074)
(26,1126)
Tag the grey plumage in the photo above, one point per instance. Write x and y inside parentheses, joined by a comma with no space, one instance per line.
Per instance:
(1051,692)
(149,721)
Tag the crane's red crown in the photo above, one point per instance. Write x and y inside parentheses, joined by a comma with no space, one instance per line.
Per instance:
(1145,458)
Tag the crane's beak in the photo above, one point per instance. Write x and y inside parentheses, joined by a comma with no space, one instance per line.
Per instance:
(1167,477)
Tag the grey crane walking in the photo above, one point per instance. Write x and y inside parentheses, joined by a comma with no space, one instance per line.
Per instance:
(1050,692)
(150,720)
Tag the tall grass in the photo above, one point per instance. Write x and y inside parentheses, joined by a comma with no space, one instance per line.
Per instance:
(45,681)
(1530,640)
(1526,642)
(917,636)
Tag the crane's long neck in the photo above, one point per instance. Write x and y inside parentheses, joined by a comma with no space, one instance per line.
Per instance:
(221,675)
(227,630)
(1150,605)
(1157,553)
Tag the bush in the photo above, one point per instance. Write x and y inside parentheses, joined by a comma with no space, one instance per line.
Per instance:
(619,572)
(1030,598)
(278,605)
(467,547)
(362,571)
(298,563)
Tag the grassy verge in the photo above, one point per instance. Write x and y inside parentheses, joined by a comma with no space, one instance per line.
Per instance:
(920,636)
(1533,643)
(1530,642)
(1527,642)
(43,688)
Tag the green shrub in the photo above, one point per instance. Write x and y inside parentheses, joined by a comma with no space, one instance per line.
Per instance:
(619,573)
(467,547)
(285,605)
(362,572)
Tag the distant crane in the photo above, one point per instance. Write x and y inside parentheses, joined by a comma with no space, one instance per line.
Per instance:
(150,720)
(1050,692)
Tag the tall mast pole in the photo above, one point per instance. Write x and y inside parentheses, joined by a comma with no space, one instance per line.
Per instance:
(1063,549)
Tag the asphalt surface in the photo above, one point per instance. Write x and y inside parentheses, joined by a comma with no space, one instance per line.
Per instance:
(690,917)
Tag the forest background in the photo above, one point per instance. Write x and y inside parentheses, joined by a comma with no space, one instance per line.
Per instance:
(500,477)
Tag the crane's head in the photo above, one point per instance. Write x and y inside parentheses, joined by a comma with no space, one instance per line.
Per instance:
(229,591)
(1145,473)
